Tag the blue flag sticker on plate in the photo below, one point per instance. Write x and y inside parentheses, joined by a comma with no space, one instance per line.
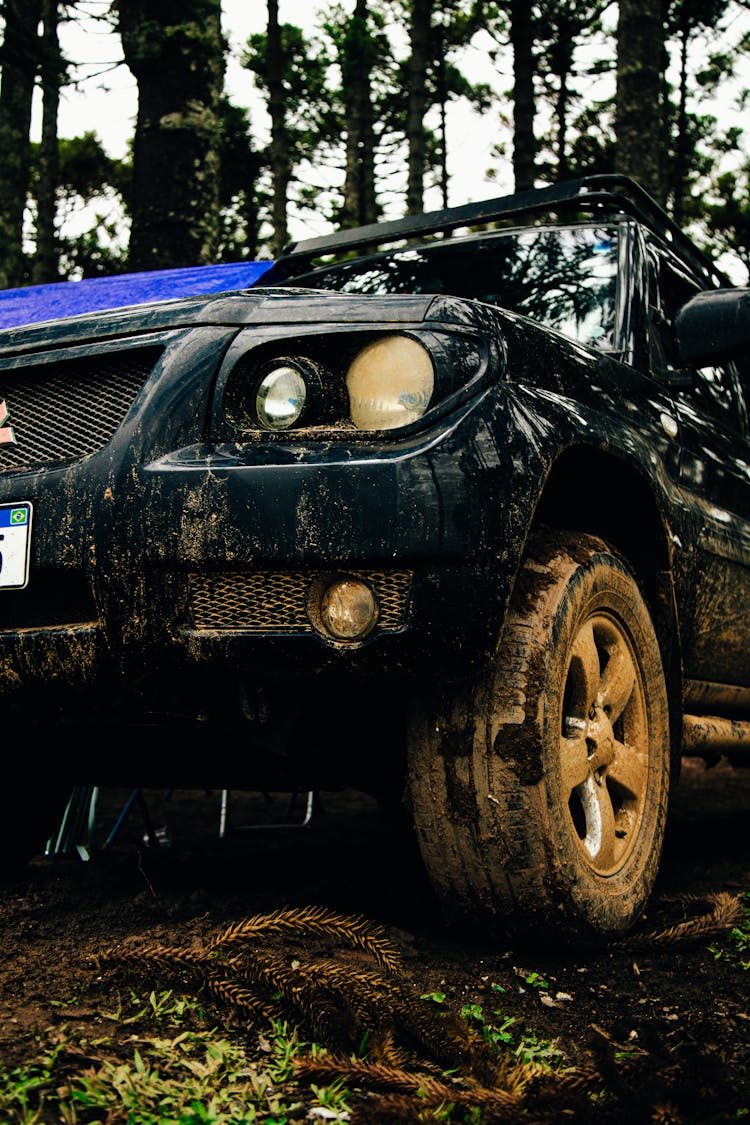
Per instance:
(15,541)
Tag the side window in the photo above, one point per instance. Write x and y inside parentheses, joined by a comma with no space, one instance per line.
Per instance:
(714,390)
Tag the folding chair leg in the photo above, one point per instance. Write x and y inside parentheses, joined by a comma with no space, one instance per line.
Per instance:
(136,798)
(313,805)
(76,830)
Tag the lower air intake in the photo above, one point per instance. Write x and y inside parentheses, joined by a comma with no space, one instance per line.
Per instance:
(277,601)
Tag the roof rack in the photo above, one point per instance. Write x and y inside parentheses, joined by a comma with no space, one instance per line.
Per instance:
(595,193)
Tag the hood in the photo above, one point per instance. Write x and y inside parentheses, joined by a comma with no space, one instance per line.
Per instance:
(35,303)
(244,307)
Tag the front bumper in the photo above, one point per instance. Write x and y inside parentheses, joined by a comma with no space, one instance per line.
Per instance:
(173,574)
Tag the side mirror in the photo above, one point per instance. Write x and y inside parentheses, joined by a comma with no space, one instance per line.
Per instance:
(714,326)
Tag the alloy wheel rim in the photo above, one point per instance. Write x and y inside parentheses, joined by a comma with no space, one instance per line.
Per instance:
(604,743)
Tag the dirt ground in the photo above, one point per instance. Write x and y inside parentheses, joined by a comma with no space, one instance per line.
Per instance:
(678,1014)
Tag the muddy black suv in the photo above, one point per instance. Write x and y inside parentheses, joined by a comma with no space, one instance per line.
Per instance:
(466,517)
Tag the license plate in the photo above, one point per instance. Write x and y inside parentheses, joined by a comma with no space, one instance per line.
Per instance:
(15,540)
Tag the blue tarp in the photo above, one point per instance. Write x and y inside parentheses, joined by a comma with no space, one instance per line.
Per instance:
(70,298)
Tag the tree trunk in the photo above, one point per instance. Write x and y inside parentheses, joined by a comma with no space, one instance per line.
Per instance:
(524,141)
(46,263)
(442,98)
(175,50)
(356,70)
(681,153)
(251,209)
(19,62)
(279,154)
(417,103)
(564,59)
(639,113)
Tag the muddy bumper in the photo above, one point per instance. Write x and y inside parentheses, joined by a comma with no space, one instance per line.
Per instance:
(217,562)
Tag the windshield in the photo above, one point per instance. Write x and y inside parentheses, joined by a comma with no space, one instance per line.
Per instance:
(563,276)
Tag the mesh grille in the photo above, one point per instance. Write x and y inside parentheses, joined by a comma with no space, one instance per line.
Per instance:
(276,602)
(67,410)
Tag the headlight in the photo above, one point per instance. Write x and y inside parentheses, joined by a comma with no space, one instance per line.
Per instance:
(329,383)
(281,397)
(390,383)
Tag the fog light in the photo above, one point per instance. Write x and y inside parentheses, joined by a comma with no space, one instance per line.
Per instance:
(348,609)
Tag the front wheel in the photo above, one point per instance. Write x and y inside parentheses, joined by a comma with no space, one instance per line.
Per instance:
(539,794)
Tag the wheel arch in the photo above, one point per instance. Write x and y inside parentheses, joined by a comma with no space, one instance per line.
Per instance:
(597,493)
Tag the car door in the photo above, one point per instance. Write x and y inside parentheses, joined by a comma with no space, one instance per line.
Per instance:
(714,477)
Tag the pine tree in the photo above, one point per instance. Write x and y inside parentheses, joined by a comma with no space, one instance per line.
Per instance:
(513,23)
(279,152)
(88,176)
(242,197)
(729,217)
(455,24)
(640,116)
(524,140)
(562,27)
(357,60)
(175,50)
(433,77)
(291,74)
(46,260)
(420,38)
(19,65)
(687,20)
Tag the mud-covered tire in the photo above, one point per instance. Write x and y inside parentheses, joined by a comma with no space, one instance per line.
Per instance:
(539,793)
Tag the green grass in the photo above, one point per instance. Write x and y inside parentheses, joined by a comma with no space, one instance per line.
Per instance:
(502,1033)
(24,1091)
(162,1066)
(735,947)
(198,1076)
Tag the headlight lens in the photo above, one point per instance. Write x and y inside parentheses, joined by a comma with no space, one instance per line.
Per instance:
(281,397)
(390,383)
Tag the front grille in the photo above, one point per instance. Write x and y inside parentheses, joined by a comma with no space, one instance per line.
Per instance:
(277,601)
(64,411)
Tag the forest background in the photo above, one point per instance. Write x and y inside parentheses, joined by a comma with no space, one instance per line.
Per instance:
(339,114)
